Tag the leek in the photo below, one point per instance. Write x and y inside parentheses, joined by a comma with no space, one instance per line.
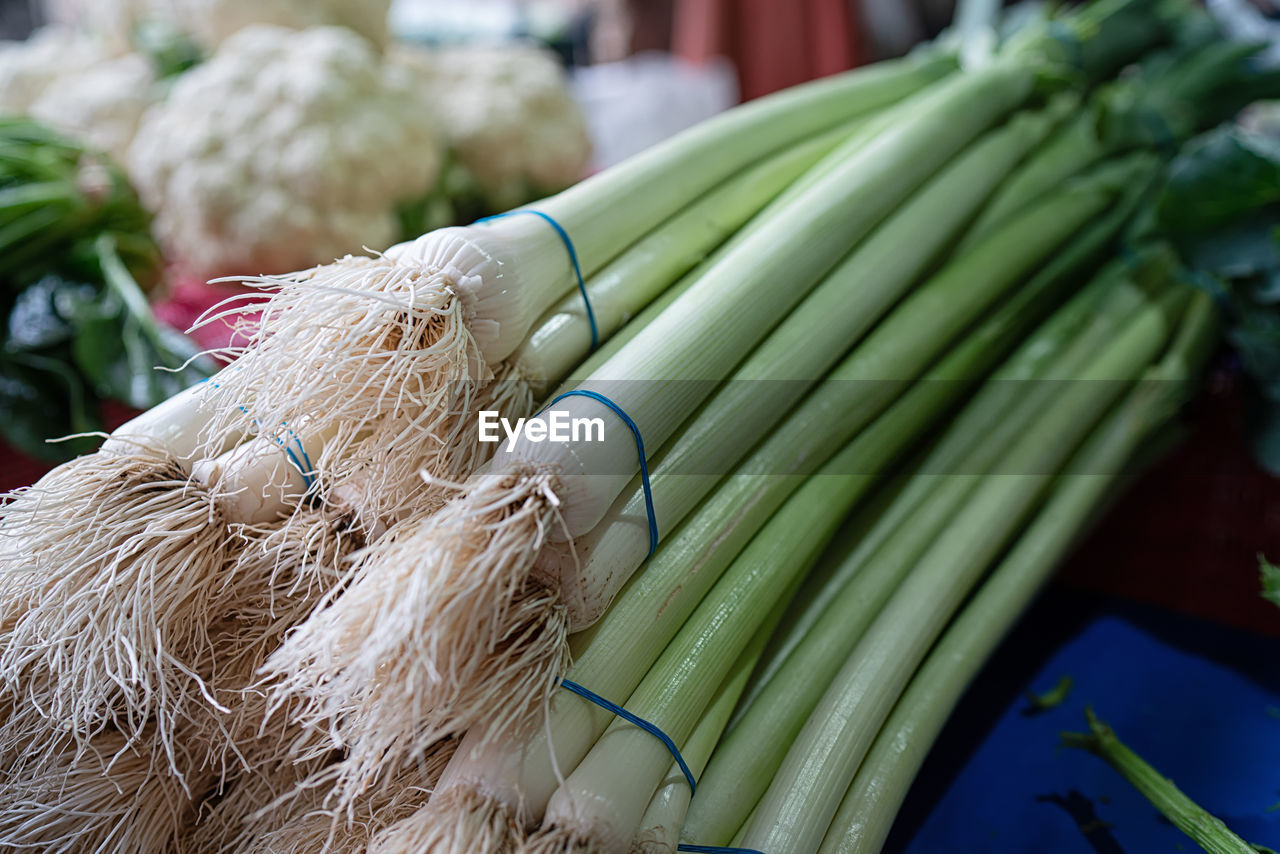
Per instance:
(867,811)
(415,647)
(1004,408)
(515,774)
(798,806)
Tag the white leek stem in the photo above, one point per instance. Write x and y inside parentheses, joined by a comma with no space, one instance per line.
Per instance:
(174,427)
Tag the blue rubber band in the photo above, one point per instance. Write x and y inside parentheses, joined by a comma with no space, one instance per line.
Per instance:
(301,460)
(573,257)
(308,473)
(638,721)
(644,462)
(715,849)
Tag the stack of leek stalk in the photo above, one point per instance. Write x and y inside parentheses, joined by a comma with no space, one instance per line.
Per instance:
(877,358)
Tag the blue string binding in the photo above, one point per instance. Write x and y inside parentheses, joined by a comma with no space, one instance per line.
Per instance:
(608,705)
(638,721)
(307,472)
(644,461)
(650,728)
(301,460)
(573,258)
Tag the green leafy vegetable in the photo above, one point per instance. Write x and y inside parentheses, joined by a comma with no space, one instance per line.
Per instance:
(1270,579)
(1221,206)
(74,246)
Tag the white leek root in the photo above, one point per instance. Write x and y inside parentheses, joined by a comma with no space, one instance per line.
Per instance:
(375,354)
(560,840)
(356,664)
(112,591)
(456,821)
(113,795)
(104,565)
(303,821)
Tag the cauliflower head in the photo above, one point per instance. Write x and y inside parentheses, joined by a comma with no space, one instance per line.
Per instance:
(508,116)
(284,150)
(102,104)
(211,22)
(28,68)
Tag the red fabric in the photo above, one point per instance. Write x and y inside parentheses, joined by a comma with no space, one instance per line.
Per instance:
(773,45)
(700,29)
(188,300)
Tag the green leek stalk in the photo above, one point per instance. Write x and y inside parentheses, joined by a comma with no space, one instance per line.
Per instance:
(1069,265)
(1073,148)
(901,347)
(519,771)
(596,806)
(867,130)
(964,106)
(796,810)
(854,296)
(866,814)
(1001,410)
(1205,829)
(693,343)
(1174,94)
(561,338)
(697,159)
(660,827)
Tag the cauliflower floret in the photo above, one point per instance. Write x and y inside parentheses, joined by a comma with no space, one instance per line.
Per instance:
(211,22)
(29,67)
(101,104)
(284,150)
(508,115)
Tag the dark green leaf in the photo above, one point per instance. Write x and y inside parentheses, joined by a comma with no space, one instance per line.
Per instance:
(1270,580)
(1217,178)
(41,399)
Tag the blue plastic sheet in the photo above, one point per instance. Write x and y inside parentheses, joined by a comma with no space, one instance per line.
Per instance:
(1198,701)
